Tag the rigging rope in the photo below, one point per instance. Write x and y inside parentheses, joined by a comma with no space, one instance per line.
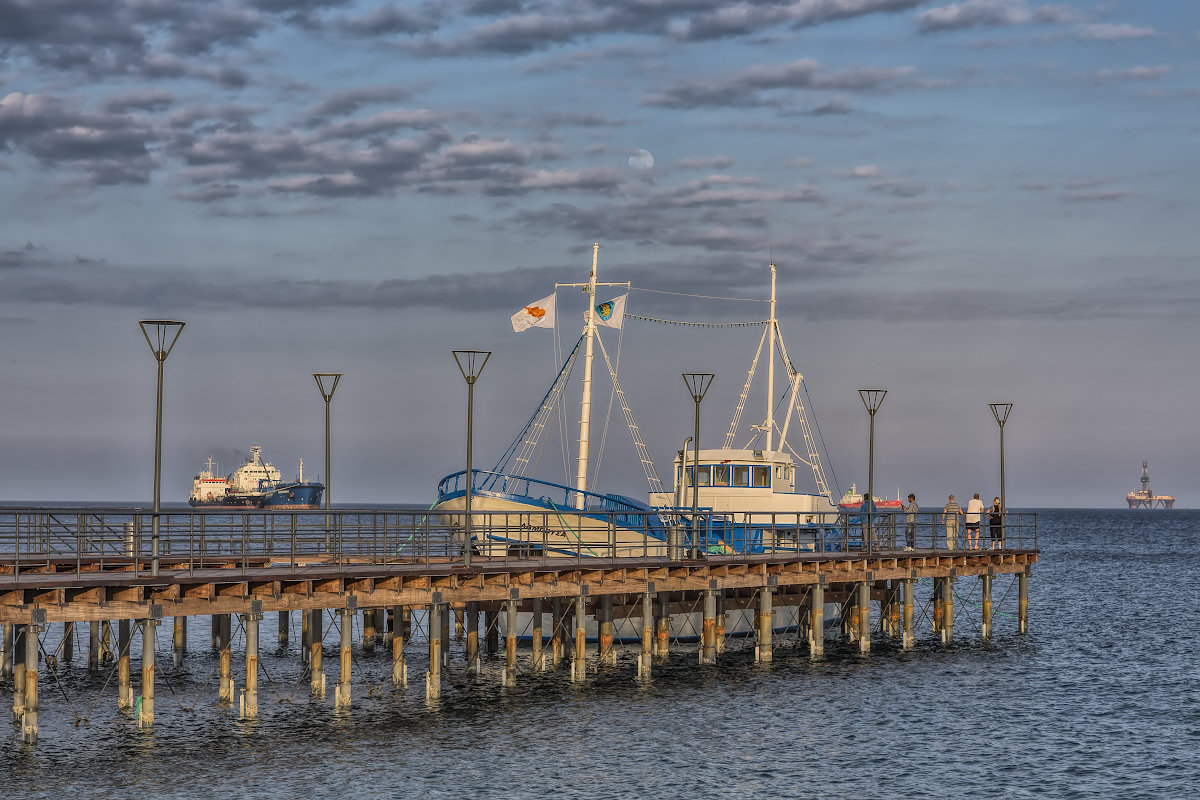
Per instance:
(698,324)
(700,296)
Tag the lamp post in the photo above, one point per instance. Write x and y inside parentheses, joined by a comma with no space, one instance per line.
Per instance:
(327,383)
(697,384)
(163,329)
(1001,411)
(872,400)
(470,364)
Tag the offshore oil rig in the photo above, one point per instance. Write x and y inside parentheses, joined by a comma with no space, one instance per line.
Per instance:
(1144,498)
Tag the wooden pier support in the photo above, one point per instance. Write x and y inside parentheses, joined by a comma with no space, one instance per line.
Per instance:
(399,665)
(646,656)
(474,662)
(537,643)
(178,640)
(708,629)
(985,625)
(225,657)
(816,624)
(764,626)
(285,625)
(341,695)
(124,669)
(433,677)
(948,609)
(19,650)
(368,631)
(146,718)
(250,693)
(29,715)
(316,635)
(604,630)
(864,615)
(579,663)
(909,637)
(1023,602)
(68,642)
(510,642)
(93,655)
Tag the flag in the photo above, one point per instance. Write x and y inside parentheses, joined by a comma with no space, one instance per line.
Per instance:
(538,314)
(612,313)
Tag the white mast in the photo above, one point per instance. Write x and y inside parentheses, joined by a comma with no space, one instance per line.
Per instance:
(770,424)
(585,404)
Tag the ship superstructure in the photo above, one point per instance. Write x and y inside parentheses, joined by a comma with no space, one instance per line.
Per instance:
(1144,497)
(255,484)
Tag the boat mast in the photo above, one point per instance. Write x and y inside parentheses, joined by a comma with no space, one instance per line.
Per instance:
(770,424)
(585,403)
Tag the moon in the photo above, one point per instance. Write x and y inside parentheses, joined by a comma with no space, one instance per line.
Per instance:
(641,159)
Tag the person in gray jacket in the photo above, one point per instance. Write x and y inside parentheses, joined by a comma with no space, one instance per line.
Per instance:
(950,518)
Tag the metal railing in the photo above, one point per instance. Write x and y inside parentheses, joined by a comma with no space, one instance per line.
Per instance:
(83,540)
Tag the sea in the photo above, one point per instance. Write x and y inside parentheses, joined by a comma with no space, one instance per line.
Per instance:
(1101,699)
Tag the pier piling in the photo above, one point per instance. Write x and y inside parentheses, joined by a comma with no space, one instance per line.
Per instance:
(558,622)
(764,626)
(909,635)
(474,662)
(93,655)
(146,718)
(579,664)
(250,707)
(399,665)
(6,651)
(29,716)
(285,624)
(536,641)
(341,695)
(985,626)
(647,653)
(604,628)
(178,637)
(708,629)
(316,671)
(124,670)
(1023,602)
(948,608)
(68,642)
(225,692)
(433,677)
(105,639)
(510,642)
(816,625)
(864,615)
(368,632)
(662,625)
(19,652)
(491,631)
(305,636)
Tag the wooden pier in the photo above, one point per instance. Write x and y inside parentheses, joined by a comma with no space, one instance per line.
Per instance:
(400,570)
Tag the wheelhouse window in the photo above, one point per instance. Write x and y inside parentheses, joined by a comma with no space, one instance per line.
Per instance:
(762,476)
(741,475)
(720,474)
(703,475)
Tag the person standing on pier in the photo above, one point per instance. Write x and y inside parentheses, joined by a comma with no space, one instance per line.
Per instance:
(950,515)
(973,518)
(910,522)
(996,525)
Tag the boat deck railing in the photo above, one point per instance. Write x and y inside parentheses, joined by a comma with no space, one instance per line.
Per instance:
(82,541)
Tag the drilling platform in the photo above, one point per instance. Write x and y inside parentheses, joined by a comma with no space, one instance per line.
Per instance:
(1144,498)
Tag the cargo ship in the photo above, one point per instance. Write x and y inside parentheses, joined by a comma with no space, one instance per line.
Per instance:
(1144,498)
(255,484)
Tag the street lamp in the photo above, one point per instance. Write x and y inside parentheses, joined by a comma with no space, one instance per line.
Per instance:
(872,400)
(470,364)
(163,330)
(327,383)
(697,383)
(1001,411)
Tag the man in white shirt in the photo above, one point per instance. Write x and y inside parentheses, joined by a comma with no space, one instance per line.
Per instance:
(972,517)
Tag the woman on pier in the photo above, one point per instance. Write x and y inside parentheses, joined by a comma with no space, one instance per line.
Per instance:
(996,525)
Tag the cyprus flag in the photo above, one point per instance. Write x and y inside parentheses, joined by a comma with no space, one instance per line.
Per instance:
(538,314)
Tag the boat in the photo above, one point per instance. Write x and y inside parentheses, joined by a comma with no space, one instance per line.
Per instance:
(723,500)
(255,484)
(1144,497)
(852,500)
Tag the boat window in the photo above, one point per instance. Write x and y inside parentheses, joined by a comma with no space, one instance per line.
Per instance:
(704,476)
(762,476)
(720,474)
(741,475)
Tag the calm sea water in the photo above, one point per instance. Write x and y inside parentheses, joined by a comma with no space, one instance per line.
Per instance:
(1100,699)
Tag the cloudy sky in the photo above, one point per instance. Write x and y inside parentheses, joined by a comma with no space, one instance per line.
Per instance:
(989,200)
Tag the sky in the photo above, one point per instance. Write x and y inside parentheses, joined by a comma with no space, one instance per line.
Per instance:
(972,202)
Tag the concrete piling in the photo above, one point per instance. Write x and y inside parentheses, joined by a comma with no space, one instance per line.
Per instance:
(721,599)
(19,652)
(646,656)
(29,716)
(909,639)
(894,611)
(579,664)
(510,643)
(368,631)
(106,654)
(816,616)
(6,651)
(948,609)
(985,626)
(708,629)
(250,695)
(124,670)
(305,636)
(316,670)
(146,718)
(341,695)
(433,677)
(662,625)
(1023,602)
(399,665)
(491,632)
(939,608)
(536,640)
(285,625)
(225,658)
(474,662)
(444,618)
(459,623)
(178,638)
(557,628)
(604,630)
(68,642)
(764,626)
(864,616)
(93,655)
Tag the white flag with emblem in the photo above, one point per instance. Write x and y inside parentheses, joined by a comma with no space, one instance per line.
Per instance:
(612,313)
(538,314)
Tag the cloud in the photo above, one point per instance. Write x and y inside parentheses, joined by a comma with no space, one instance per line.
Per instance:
(712,162)
(146,100)
(973,14)
(866,171)
(1138,73)
(1098,195)
(348,101)
(1106,32)
(742,88)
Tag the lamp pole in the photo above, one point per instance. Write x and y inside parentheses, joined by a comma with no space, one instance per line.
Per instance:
(1001,411)
(163,330)
(697,384)
(470,364)
(327,383)
(872,400)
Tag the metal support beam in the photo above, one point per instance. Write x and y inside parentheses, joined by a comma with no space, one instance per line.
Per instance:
(341,695)
(146,718)
(124,679)
(816,616)
(764,626)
